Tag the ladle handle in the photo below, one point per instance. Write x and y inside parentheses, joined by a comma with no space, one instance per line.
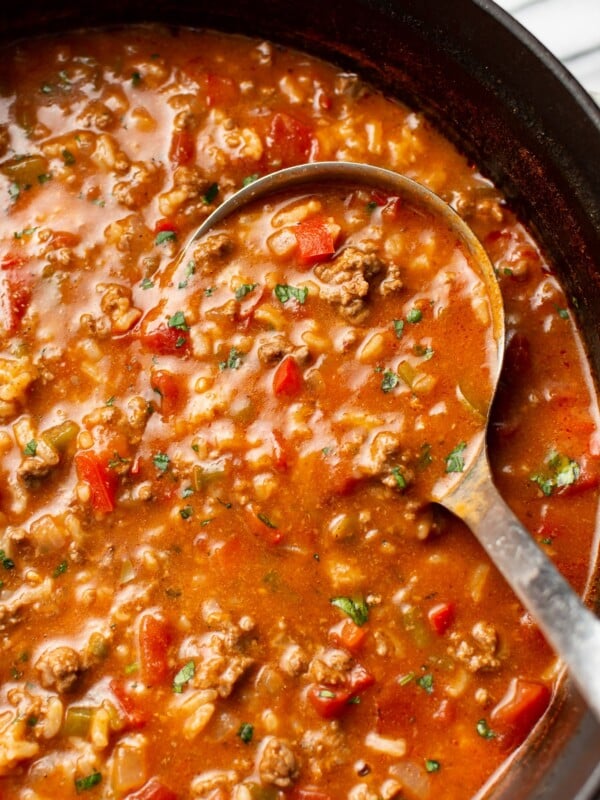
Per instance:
(570,628)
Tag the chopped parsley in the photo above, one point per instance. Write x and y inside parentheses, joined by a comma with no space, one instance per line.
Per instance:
(30,448)
(246,732)
(244,289)
(234,360)
(414,315)
(562,313)
(44,178)
(178,322)
(560,471)
(117,460)
(371,206)
(190,269)
(209,291)
(6,562)
(165,236)
(425,457)
(390,381)
(91,780)
(24,232)
(211,193)
(426,682)
(110,401)
(68,158)
(186,512)
(250,179)
(399,478)
(14,190)
(454,460)
(60,569)
(431,765)
(424,352)
(185,674)
(187,492)
(147,283)
(399,327)
(406,679)
(285,292)
(161,461)
(136,78)
(357,609)
(484,730)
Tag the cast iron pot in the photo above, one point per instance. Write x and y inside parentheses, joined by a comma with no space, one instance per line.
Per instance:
(519,115)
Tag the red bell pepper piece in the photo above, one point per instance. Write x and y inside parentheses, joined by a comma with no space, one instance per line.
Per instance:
(289,141)
(348,634)
(152,790)
(315,240)
(93,469)
(163,225)
(287,379)
(135,716)
(440,617)
(154,641)
(183,148)
(520,708)
(167,341)
(167,386)
(329,701)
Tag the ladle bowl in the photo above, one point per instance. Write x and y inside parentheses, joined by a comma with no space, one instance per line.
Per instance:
(568,625)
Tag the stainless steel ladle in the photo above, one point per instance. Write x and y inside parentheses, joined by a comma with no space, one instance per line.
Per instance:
(570,628)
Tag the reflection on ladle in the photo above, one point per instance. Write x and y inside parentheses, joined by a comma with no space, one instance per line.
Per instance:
(570,628)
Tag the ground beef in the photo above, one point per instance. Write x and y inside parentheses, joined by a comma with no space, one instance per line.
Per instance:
(277,763)
(347,281)
(59,668)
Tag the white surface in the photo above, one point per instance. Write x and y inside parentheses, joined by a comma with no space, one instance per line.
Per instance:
(570,29)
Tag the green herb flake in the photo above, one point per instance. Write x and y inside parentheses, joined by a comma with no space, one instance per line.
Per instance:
(187,492)
(431,765)
(266,521)
(44,178)
(185,674)
(84,784)
(356,608)
(390,381)
(190,270)
(424,352)
(484,730)
(68,158)
(24,232)
(210,291)
(284,292)
(406,679)
(60,569)
(117,460)
(246,732)
(32,721)
(562,313)
(250,179)
(14,190)
(136,78)
(371,206)
(234,360)
(399,328)
(414,315)
(147,284)
(211,193)
(399,478)
(560,471)
(425,457)
(161,462)
(46,88)
(165,236)
(186,512)
(178,322)
(244,289)
(30,448)
(426,682)
(130,669)
(454,460)
(110,401)
(6,562)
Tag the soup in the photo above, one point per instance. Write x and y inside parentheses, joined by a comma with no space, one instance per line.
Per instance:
(221,575)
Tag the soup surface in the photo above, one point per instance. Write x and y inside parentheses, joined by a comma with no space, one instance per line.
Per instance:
(220,573)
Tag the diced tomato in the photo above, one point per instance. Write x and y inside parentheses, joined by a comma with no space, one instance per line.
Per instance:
(167,341)
(287,379)
(360,679)
(183,148)
(93,469)
(348,634)
(64,239)
(219,90)
(289,141)
(154,641)
(315,240)
(329,701)
(135,716)
(520,708)
(152,790)
(12,261)
(440,617)
(167,386)
(163,225)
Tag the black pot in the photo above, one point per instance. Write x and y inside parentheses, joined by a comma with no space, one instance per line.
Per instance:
(519,115)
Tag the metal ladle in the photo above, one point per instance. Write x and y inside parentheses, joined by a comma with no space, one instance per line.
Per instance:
(569,627)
